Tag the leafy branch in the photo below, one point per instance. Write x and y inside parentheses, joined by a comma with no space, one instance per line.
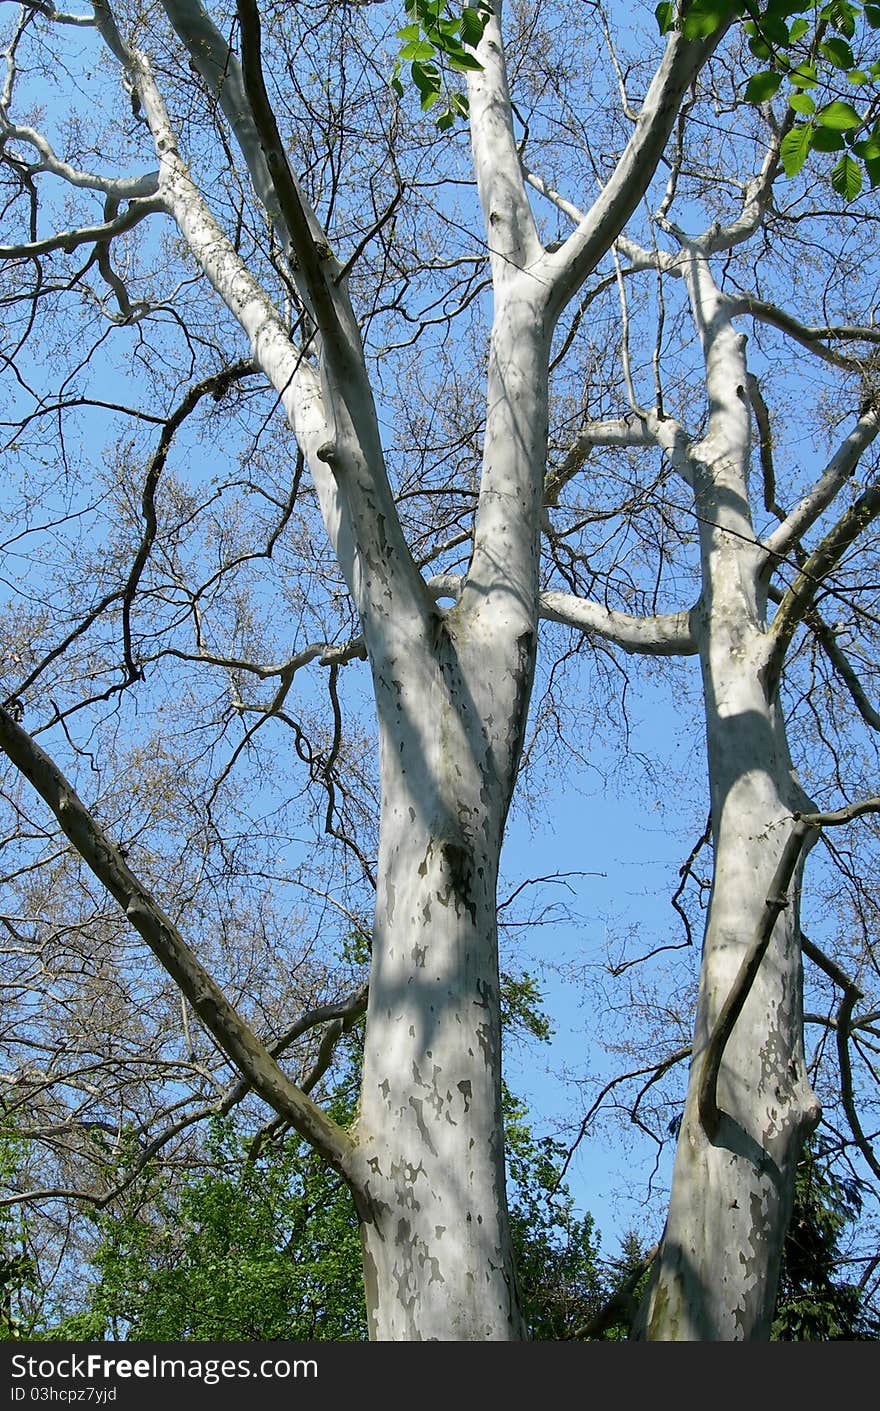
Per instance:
(823,58)
(436,38)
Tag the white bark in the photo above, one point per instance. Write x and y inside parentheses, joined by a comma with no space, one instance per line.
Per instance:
(438,1262)
(426,1163)
(715,1276)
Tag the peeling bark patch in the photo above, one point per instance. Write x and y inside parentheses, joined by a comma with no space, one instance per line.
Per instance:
(371,1291)
(464,1087)
(458,865)
(417,1107)
(523,673)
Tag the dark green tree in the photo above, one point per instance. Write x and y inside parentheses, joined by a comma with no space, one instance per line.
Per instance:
(265,1247)
(256,1239)
(242,1249)
(813,1303)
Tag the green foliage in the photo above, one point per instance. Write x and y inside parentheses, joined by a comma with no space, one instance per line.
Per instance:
(829,49)
(241,1249)
(561,1283)
(439,37)
(268,1249)
(260,1246)
(18,1272)
(812,1305)
(521,1011)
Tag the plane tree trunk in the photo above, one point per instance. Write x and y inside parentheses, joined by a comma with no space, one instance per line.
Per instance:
(715,1276)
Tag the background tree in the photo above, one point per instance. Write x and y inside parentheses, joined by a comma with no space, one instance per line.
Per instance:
(256,1239)
(814,1302)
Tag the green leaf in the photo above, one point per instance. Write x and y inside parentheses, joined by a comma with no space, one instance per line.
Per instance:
(804,76)
(868,146)
(775,30)
(760,49)
(426,78)
(762,86)
(795,147)
(857,76)
(411,33)
(704,18)
(845,18)
(473,24)
(838,53)
(798,30)
(825,139)
(418,49)
(846,178)
(840,117)
(802,103)
(665,14)
(841,15)
(872,167)
(872,15)
(463,61)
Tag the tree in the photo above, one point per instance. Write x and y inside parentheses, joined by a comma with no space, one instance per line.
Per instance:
(813,1304)
(750,1103)
(286,205)
(426,1167)
(258,1241)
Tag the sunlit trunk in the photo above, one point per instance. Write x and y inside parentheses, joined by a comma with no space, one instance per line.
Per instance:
(452,701)
(716,1273)
(437,1255)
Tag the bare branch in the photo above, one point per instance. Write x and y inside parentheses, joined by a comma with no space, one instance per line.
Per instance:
(777,901)
(70,240)
(800,596)
(816,339)
(567,268)
(839,469)
(206,998)
(669,635)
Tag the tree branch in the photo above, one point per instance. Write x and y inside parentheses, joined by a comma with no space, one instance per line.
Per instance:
(208,1001)
(776,902)
(815,339)
(567,268)
(70,240)
(511,232)
(663,635)
(620,1307)
(312,256)
(839,469)
(813,572)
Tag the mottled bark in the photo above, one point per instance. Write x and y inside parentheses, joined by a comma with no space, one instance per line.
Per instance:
(437,1254)
(426,1158)
(733,1180)
(452,695)
(732,1189)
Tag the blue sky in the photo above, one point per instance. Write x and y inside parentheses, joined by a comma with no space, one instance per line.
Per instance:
(630,837)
